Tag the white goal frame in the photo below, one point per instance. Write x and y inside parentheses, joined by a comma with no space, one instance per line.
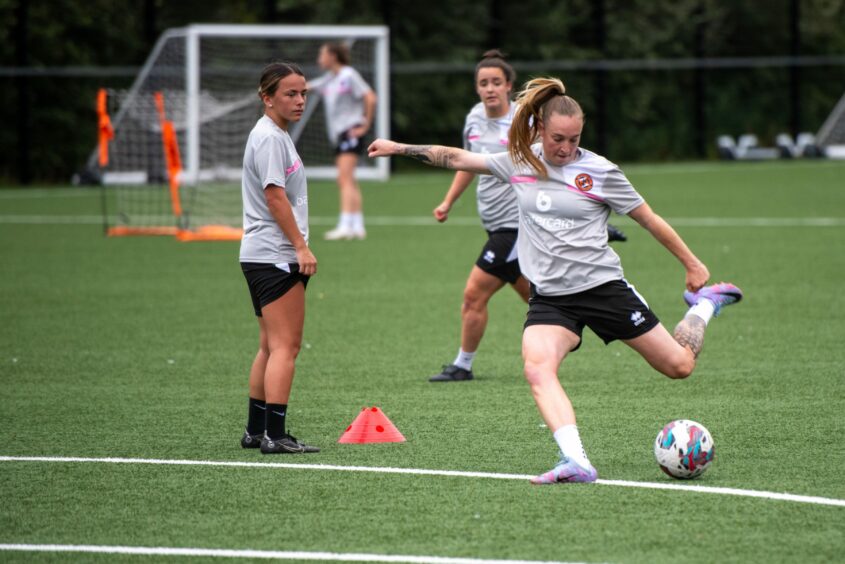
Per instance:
(380,34)
(192,174)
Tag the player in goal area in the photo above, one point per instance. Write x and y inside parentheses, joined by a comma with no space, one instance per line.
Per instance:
(170,152)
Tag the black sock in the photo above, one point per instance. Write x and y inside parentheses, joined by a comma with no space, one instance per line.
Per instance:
(276,420)
(255,422)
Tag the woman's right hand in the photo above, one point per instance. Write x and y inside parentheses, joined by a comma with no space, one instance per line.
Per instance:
(441,212)
(381,148)
(307,261)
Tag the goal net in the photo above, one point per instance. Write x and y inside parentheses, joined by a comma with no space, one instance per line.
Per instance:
(831,136)
(206,78)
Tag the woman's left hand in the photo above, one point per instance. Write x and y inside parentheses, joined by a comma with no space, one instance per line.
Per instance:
(697,276)
(358,131)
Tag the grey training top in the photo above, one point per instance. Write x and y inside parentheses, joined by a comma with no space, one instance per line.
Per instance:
(343,99)
(563,220)
(497,205)
(270,158)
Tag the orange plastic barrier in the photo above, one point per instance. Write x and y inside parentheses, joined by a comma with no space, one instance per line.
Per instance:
(105,131)
(171,154)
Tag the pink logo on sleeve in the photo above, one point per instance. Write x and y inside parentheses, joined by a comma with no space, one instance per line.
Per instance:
(523,179)
(474,137)
(293,168)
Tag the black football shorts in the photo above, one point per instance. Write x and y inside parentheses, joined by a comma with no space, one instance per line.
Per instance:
(614,311)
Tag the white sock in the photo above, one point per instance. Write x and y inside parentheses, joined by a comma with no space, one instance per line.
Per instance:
(464,359)
(569,441)
(345,221)
(357,221)
(703,309)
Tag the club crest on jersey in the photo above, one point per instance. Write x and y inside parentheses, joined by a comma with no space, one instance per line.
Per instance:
(584,182)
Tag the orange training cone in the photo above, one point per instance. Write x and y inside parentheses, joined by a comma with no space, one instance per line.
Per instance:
(371,426)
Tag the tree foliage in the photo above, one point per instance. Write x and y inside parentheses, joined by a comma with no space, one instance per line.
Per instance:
(649,114)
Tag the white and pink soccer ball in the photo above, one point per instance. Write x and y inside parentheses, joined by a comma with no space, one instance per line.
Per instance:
(684,449)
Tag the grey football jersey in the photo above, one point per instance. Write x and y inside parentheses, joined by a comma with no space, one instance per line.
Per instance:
(497,205)
(271,158)
(343,100)
(563,220)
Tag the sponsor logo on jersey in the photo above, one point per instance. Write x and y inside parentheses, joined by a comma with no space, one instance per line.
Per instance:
(550,223)
(584,182)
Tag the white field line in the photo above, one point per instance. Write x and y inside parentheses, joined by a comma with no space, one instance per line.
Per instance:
(424,472)
(265,554)
(427,221)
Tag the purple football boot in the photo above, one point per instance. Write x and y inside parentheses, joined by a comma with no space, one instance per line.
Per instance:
(721,294)
(566,471)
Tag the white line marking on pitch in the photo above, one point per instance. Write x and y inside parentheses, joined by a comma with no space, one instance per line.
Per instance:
(424,472)
(267,554)
(426,221)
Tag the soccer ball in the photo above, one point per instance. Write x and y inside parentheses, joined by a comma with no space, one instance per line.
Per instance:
(684,449)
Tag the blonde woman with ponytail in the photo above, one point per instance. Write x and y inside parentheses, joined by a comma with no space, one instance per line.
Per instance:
(565,194)
(486,130)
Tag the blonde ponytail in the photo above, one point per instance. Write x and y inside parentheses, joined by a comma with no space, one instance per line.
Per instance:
(539,99)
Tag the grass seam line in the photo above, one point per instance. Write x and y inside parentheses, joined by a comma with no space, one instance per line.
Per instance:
(759,494)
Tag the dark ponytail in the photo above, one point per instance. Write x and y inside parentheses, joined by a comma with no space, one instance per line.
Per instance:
(496,59)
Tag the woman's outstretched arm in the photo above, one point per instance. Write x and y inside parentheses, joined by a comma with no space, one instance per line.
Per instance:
(434,155)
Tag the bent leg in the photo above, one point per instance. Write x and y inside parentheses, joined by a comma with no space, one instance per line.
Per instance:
(479,289)
(672,356)
(283,320)
(521,287)
(543,349)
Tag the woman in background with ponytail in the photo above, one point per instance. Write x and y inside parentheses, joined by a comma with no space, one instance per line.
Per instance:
(486,131)
(565,194)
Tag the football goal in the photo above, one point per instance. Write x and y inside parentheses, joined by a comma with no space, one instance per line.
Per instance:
(831,136)
(171,161)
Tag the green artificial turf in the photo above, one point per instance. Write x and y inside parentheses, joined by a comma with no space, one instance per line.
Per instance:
(140,347)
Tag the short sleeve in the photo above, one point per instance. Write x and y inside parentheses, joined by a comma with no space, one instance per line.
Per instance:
(271,161)
(467,133)
(619,194)
(357,83)
(319,82)
(500,166)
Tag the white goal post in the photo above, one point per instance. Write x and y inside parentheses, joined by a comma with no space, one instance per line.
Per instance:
(378,68)
(831,135)
(206,77)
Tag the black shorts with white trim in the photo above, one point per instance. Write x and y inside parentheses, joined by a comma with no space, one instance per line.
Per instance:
(269,282)
(349,144)
(498,257)
(613,310)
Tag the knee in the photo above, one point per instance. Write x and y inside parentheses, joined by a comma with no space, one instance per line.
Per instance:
(287,350)
(474,301)
(538,375)
(680,367)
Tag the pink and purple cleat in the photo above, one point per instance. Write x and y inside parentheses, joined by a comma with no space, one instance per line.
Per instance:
(567,471)
(721,294)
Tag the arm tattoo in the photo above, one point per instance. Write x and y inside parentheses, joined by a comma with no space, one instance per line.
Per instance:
(433,155)
(690,333)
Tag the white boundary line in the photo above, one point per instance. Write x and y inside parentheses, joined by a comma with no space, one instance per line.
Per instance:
(815,500)
(427,221)
(266,554)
